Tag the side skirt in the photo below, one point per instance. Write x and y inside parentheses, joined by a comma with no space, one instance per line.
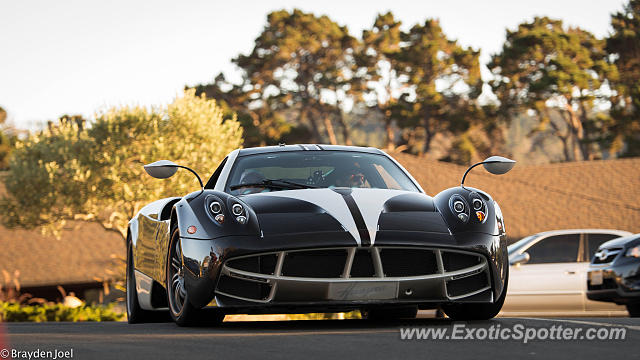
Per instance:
(151,295)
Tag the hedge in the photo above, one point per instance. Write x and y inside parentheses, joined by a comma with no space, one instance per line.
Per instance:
(13,312)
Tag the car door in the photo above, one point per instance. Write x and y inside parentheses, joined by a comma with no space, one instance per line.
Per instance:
(593,241)
(550,280)
(149,223)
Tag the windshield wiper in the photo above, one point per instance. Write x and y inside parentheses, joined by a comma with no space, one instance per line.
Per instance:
(274,184)
(291,183)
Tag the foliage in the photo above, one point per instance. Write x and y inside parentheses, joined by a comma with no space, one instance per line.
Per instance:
(12,311)
(95,173)
(443,80)
(378,79)
(544,66)
(261,126)
(300,64)
(308,79)
(6,141)
(624,45)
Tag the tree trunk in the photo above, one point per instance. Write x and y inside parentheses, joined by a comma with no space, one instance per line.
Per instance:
(577,130)
(564,138)
(315,133)
(346,134)
(390,136)
(584,144)
(428,135)
(330,132)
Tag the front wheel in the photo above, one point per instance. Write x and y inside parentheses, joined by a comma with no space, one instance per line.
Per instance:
(181,310)
(478,311)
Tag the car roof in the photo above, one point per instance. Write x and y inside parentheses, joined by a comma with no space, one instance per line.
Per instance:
(306,147)
(530,240)
(583,231)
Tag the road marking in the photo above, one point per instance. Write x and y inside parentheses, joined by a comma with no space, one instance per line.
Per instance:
(581,322)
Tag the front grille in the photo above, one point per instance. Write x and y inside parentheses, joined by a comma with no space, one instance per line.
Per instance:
(263,264)
(468,284)
(607,284)
(245,289)
(315,263)
(257,276)
(362,265)
(612,253)
(457,261)
(403,262)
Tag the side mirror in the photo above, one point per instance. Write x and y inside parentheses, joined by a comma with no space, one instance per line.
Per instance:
(161,169)
(496,165)
(521,258)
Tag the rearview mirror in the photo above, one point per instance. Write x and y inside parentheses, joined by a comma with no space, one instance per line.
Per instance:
(498,165)
(161,169)
(521,258)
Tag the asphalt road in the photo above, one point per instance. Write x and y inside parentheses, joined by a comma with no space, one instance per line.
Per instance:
(318,339)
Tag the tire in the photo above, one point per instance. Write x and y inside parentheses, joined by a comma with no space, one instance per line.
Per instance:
(136,314)
(634,310)
(390,313)
(478,311)
(180,309)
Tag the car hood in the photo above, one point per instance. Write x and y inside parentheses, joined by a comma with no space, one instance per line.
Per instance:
(621,242)
(360,212)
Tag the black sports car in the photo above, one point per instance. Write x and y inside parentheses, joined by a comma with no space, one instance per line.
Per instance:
(614,273)
(316,228)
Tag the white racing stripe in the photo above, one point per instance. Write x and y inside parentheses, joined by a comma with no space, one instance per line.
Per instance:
(327,199)
(371,203)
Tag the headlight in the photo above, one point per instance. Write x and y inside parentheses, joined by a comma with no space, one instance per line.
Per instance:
(215,207)
(240,213)
(237,209)
(633,252)
(459,207)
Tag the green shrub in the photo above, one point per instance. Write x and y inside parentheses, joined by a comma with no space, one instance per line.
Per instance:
(13,312)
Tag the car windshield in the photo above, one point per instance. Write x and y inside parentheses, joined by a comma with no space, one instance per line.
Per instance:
(315,169)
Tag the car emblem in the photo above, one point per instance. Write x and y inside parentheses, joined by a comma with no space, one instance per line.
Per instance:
(602,254)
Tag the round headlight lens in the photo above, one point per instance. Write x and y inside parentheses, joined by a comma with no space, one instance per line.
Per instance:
(215,207)
(458,206)
(477,204)
(237,209)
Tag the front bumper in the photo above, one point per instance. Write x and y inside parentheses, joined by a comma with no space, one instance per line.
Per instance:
(334,276)
(620,281)
(372,276)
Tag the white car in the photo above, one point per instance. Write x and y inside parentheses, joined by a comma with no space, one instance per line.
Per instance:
(548,273)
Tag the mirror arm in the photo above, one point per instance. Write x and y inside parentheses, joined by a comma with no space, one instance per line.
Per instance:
(471,167)
(466,172)
(194,173)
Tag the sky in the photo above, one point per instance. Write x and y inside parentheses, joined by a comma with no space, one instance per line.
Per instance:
(80,56)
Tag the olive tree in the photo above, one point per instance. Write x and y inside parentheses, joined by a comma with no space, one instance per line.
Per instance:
(94,172)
